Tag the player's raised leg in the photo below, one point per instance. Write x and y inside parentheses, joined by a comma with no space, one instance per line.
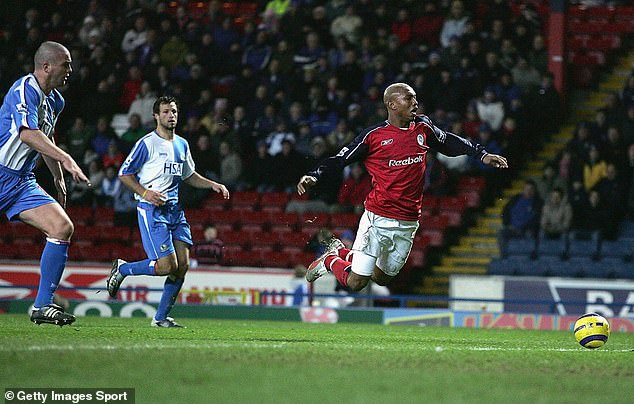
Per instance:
(53,221)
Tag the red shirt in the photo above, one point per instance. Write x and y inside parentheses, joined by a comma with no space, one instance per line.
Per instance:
(395,159)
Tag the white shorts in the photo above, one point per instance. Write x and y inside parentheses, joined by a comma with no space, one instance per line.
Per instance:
(382,242)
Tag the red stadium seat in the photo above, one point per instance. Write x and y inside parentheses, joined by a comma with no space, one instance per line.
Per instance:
(284,219)
(274,200)
(319,219)
(471,184)
(241,238)
(349,220)
(436,237)
(436,222)
(104,215)
(80,214)
(430,203)
(248,199)
(452,203)
(265,239)
(251,217)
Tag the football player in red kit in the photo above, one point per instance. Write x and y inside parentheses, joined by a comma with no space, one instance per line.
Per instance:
(394,155)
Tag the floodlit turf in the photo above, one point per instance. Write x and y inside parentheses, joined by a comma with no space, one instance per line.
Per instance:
(220,361)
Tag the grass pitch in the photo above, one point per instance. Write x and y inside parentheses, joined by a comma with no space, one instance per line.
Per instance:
(221,361)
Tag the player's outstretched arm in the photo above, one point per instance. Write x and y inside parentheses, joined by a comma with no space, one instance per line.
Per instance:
(198,181)
(495,160)
(38,141)
(304,183)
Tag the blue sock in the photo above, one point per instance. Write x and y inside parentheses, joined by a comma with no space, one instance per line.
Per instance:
(145,267)
(170,293)
(52,265)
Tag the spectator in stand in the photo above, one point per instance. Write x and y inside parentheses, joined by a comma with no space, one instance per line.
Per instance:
(627,124)
(110,186)
(354,189)
(629,176)
(490,109)
(340,136)
(556,219)
(259,175)
(594,169)
(124,206)
(613,194)
(82,194)
(592,223)
(135,36)
(613,150)
(599,125)
(549,181)
(142,104)
(131,87)
(581,143)
(134,132)
(258,54)
(454,24)
(544,104)
(538,55)
(113,157)
(230,166)
(525,76)
(104,134)
(78,138)
(520,218)
(428,24)
(209,250)
(287,166)
(347,25)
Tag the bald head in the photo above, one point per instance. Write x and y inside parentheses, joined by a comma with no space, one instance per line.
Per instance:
(49,52)
(395,89)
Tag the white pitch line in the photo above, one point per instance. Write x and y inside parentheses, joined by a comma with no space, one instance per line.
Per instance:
(260,344)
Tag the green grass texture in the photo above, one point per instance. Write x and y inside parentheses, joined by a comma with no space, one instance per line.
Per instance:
(225,361)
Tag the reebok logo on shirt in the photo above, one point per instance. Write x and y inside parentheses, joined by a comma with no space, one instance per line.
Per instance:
(405,162)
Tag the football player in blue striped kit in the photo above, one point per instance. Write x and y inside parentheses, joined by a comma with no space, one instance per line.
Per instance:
(28,115)
(153,170)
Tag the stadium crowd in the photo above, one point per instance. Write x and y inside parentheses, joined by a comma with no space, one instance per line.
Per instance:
(269,88)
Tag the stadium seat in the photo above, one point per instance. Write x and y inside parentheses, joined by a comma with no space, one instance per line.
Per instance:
(471,198)
(296,239)
(319,219)
(436,237)
(80,214)
(268,239)
(274,201)
(471,183)
(198,216)
(104,215)
(239,237)
(252,217)
(452,203)
(348,220)
(284,219)
(247,199)
(430,203)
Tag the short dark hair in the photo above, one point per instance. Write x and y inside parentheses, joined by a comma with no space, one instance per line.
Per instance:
(164,99)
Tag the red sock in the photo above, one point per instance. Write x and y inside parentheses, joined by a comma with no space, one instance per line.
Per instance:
(338,267)
(345,254)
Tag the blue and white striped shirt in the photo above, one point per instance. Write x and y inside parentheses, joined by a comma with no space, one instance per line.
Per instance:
(159,164)
(26,106)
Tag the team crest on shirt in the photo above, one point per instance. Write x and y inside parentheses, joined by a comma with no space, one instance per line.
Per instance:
(22,108)
(420,139)
(183,156)
(163,247)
